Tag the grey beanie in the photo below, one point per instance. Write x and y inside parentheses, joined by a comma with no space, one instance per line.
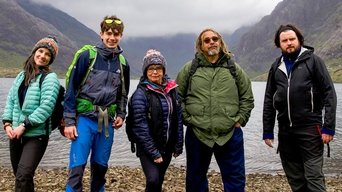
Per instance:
(153,57)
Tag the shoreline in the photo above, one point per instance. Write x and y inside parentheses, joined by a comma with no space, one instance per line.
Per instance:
(124,178)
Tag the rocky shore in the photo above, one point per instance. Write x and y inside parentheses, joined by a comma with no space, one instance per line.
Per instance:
(123,179)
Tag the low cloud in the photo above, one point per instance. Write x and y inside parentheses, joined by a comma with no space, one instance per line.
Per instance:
(156,18)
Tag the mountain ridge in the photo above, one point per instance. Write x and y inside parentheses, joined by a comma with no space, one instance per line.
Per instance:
(320,22)
(253,47)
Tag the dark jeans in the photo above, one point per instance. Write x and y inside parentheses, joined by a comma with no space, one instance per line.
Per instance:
(26,153)
(230,159)
(154,172)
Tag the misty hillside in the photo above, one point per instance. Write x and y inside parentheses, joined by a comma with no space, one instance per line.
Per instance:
(253,47)
(23,23)
(319,20)
(176,49)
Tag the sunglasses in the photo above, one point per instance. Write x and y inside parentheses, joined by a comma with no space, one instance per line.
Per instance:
(110,21)
(207,40)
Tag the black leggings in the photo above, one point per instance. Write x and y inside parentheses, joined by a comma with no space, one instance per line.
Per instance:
(154,172)
(26,153)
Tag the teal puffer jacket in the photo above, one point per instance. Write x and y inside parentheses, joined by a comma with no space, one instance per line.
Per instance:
(38,104)
(213,102)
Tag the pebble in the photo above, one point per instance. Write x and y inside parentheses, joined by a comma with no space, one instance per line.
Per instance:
(124,178)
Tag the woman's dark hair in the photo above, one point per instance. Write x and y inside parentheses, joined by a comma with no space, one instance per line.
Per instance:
(288,27)
(29,68)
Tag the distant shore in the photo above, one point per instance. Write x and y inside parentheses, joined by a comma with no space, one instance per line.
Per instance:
(123,178)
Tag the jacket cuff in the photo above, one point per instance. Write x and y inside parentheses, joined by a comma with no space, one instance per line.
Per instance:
(69,119)
(69,122)
(268,136)
(123,116)
(328,131)
(6,121)
(27,123)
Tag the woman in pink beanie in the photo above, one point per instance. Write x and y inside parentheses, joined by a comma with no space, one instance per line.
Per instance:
(155,117)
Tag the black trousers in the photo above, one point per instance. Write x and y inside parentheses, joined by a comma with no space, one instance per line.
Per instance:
(25,154)
(154,172)
(301,153)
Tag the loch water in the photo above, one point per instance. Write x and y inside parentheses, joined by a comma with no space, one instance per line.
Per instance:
(258,157)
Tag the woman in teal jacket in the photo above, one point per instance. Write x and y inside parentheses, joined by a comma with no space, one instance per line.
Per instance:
(27,111)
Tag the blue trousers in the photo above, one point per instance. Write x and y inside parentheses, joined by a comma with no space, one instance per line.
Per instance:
(229,157)
(89,140)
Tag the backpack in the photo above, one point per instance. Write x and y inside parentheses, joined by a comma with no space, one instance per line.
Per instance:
(57,113)
(130,119)
(92,58)
(230,65)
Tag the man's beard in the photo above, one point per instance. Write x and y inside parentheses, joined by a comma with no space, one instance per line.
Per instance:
(213,52)
(292,55)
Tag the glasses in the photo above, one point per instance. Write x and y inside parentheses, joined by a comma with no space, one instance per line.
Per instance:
(158,68)
(110,21)
(207,40)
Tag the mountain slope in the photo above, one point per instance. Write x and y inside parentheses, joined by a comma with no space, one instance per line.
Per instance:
(20,31)
(319,20)
(176,49)
(253,47)
(63,22)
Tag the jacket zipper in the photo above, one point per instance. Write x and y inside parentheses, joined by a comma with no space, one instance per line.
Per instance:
(288,98)
(164,94)
(312,102)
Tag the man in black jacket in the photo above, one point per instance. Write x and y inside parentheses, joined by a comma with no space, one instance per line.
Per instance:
(299,88)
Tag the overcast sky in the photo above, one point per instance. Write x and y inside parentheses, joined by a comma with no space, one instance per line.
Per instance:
(161,17)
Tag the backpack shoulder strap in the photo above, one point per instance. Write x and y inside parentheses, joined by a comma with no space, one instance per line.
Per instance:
(122,59)
(92,59)
(232,68)
(123,88)
(230,65)
(122,63)
(92,52)
(92,56)
(147,93)
(193,68)
(148,97)
(42,77)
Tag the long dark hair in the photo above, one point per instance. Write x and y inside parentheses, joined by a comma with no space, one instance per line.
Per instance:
(30,69)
